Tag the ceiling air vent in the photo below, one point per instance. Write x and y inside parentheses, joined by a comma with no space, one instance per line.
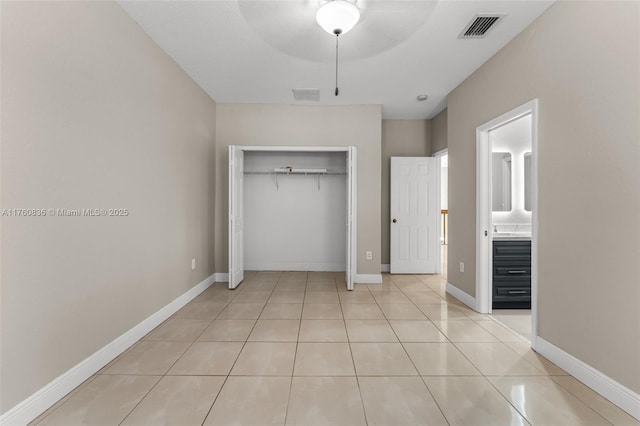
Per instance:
(479,26)
(312,95)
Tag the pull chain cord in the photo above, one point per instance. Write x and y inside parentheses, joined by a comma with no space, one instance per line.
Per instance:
(337,32)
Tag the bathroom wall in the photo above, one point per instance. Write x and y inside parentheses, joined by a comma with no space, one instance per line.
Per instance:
(514,138)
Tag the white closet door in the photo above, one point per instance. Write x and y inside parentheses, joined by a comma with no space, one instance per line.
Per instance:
(414,215)
(351,212)
(236,217)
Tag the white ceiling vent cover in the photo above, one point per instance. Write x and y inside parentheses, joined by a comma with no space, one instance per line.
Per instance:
(480,26)
(312,95)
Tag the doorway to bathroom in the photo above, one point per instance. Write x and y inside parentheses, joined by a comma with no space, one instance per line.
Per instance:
(506,220)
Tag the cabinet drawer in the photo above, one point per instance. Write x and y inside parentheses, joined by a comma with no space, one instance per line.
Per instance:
(511,250)
(513,270)
(511,274)
(510,295)
(512,291)
(512,281)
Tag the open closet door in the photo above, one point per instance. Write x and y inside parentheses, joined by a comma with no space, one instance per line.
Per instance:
(351,214)
(236,219)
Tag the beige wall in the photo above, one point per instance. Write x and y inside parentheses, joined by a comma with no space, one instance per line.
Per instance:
(94,115)
(439,133)
(282,125)
(587,81)
(400,138)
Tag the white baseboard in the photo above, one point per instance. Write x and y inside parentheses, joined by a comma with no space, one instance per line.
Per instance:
(385,267)
(462,296)
(368,278)
(55,390)
(221,277)
(615,392)
(294,266)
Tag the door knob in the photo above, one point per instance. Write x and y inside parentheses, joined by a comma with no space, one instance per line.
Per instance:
(394,220)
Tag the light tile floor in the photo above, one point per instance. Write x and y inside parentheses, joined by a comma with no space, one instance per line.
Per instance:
(518,320)
(296,348)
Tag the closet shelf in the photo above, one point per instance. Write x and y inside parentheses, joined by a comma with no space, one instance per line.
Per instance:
(294,171)
(291,170)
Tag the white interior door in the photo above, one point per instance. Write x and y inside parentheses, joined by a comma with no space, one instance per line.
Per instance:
(414,215)
(236,219)
(351,207)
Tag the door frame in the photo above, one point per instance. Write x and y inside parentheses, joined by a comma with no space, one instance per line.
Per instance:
(438,155)
(232,222)
(352,187)
(484,237)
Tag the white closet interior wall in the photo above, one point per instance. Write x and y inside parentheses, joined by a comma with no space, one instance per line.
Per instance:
(295,226)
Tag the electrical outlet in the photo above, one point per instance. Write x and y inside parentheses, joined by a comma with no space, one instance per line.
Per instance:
(461,266)
(193,264)
(369,255)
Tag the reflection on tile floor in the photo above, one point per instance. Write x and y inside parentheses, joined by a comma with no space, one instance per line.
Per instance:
(518,320)
(297,348)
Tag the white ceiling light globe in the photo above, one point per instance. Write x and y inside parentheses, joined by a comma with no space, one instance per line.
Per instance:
(337,16)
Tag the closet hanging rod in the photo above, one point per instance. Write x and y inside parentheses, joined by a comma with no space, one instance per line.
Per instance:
(292,170)
(295,173)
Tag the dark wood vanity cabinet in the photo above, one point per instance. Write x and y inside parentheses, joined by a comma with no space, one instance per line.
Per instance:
(511,274)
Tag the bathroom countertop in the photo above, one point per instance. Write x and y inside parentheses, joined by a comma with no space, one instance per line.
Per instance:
(511,236)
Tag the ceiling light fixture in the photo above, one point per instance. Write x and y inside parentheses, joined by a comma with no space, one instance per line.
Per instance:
(422,98)
(337,17)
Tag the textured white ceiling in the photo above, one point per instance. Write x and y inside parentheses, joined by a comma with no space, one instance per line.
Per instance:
(257,51)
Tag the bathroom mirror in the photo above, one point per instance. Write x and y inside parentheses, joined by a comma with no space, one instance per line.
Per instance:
(501,181)
(527,181)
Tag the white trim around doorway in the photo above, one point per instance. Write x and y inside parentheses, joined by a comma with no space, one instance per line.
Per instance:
(438,155)
(484,238)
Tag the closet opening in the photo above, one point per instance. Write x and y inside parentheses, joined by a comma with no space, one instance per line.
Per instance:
(291,209)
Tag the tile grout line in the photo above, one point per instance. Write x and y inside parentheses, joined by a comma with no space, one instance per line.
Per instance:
(484,376)
(471,363)
(63,400)
(171,366)
(295,353)
(426,386)
(226,377)
(141,399)
(353,361)
(580,399)
(417,370)
(163,375)
(386,316)
(448,341)
(234,362)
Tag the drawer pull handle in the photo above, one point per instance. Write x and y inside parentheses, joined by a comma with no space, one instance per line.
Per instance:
(517,272)
(517,291)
